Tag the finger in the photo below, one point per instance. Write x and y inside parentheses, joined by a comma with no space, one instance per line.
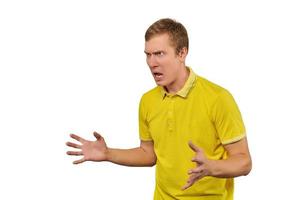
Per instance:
(195,170)
(71,144)
(97,136)
(199,176)
(76,137)
(198,160)
(75,153)
(194,147)
(186,186)
(192,178)
(79,161)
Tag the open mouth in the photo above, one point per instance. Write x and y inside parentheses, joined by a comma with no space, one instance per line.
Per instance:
(158,75)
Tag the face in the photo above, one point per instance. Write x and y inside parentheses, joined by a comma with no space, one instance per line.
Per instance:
(164,63)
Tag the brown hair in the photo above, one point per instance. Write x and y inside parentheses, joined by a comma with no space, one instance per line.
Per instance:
(176,31)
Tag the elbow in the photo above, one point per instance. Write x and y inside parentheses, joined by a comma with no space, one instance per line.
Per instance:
(151,159)
(152,162)
(247,167)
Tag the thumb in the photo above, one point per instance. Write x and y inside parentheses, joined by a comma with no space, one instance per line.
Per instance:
(194,147)
(97,135)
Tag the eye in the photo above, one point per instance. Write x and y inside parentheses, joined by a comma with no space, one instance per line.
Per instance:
(159,53)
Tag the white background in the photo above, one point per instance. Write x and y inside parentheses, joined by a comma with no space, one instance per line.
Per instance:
(78,67)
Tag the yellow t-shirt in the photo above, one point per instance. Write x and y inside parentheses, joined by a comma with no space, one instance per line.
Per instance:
(202,112)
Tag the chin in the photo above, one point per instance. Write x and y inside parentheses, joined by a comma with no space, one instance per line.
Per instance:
(161,83)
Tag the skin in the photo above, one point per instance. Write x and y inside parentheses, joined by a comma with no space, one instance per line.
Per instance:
(162,58)
(237,164)
(98,151)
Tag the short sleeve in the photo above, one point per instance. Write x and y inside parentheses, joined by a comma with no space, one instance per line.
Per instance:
(227,119)
(143,124)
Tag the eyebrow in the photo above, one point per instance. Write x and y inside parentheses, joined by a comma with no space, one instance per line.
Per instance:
(154,52)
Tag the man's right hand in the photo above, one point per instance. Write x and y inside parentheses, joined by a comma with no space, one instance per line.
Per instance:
(90,150)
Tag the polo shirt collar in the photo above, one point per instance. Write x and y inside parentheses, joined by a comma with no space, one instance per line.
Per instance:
(183,92)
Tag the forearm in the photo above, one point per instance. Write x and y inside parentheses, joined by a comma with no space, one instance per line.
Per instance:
(235,165)
(131,157)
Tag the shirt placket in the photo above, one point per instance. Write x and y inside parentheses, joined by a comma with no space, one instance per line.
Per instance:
(170,114)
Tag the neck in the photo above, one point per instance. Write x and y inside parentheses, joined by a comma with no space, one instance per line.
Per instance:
(179,82)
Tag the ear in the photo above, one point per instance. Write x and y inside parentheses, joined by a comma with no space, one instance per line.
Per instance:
(182,54)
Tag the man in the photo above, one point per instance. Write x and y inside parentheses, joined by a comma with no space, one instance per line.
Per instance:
(189,127)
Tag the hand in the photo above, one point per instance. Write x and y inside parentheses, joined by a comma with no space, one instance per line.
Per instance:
(202,168)
(90,150)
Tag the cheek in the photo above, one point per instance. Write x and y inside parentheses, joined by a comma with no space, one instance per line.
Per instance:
(147,61)
(167,63)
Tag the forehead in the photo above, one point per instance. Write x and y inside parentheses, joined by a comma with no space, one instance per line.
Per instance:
(158,42)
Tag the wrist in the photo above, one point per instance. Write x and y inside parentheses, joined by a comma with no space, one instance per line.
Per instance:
(108,154)
(212,167)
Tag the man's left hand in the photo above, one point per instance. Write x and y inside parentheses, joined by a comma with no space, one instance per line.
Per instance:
(202,166)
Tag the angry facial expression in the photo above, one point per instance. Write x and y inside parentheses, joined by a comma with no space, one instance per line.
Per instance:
(162,60)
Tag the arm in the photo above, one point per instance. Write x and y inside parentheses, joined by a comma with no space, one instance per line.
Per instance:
(140,156)
(98,151)
(238,163)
